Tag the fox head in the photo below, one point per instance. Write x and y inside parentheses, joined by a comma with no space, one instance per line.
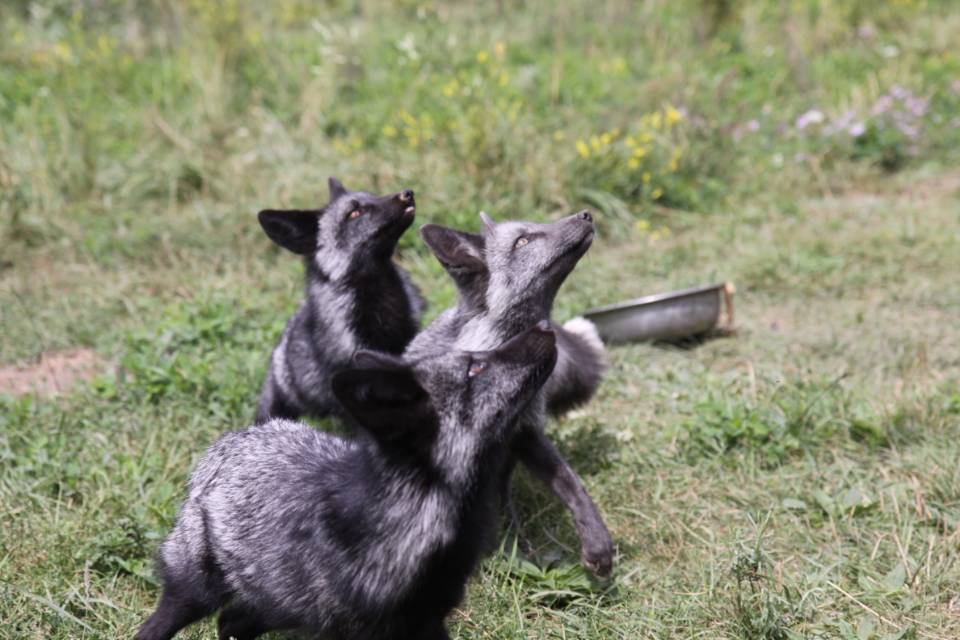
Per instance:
(353,230)
(445,411)
(514,262)
(528,261)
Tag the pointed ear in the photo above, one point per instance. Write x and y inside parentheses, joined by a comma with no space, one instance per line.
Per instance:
(294,230)
(488,223)
(454,249)
(388,402)
(336,188)
(367,359)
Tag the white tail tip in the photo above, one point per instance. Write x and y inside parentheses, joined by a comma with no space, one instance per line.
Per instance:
(588,331)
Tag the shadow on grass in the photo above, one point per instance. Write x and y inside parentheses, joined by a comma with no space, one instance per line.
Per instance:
(689,343)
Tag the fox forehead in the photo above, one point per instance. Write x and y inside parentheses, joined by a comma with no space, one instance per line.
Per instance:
(332,212)
(349,199)
(509,230)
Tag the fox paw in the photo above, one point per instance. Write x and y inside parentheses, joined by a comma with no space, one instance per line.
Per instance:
(599,558)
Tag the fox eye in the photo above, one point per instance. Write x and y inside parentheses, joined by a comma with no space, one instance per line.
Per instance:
(521,241)
(355,214)
(476,368)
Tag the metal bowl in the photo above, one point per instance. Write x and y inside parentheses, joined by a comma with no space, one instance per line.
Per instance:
(666,316)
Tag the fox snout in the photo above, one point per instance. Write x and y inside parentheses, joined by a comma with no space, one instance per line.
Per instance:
(407,203)
(583,220)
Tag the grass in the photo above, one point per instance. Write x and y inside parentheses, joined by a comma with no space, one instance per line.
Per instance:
(796,480)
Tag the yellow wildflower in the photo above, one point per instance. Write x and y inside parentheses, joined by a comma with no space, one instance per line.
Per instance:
(504,78)
(595,143)
(646,137)
(633,163)
(646,177)
(656,120)
(583,149)
(63,51)
(657,193)
(482,56)
(559,135)
(631,142)
(614,66)
(643,225)
(499,49)
(389,131)
(605,138)
(639,152)
(671,115)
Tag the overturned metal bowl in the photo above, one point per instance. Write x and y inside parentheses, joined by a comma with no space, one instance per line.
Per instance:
(666,316)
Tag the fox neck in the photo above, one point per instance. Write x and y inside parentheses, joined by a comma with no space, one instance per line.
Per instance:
(367,307)
(336,271)
(519,316)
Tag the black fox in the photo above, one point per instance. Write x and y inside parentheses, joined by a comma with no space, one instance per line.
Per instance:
(581,357)
(508,278)
(287,527)
(356,296)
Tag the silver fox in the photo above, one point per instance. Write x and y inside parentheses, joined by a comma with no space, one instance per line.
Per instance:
(356,296)
(508,278)
(286,527)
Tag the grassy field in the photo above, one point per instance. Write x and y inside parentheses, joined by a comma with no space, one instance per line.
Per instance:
(798,479)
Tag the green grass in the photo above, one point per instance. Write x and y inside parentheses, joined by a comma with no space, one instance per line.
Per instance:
(798,479)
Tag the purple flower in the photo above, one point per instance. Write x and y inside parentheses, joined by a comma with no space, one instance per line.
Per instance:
(813,116)
(917,106)
(857,129)
(910,131)
(882,105)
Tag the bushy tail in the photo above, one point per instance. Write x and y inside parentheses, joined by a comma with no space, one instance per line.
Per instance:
(585,329)
(580,364)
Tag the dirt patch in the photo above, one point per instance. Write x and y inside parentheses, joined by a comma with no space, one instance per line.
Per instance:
(55,373)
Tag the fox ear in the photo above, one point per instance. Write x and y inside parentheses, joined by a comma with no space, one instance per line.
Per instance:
(454,249)
(336,188)
(367,359)
(294,230)
(488,222)
(387,401)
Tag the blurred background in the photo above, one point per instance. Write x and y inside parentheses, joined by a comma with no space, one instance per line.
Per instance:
(796,480)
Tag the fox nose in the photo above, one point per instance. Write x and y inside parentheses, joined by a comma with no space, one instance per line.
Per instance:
(406,195)
(585,215)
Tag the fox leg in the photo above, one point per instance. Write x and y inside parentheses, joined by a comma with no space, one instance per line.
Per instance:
(535,450)
(239,623)
(175,611)
(510,507)
(273,403)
